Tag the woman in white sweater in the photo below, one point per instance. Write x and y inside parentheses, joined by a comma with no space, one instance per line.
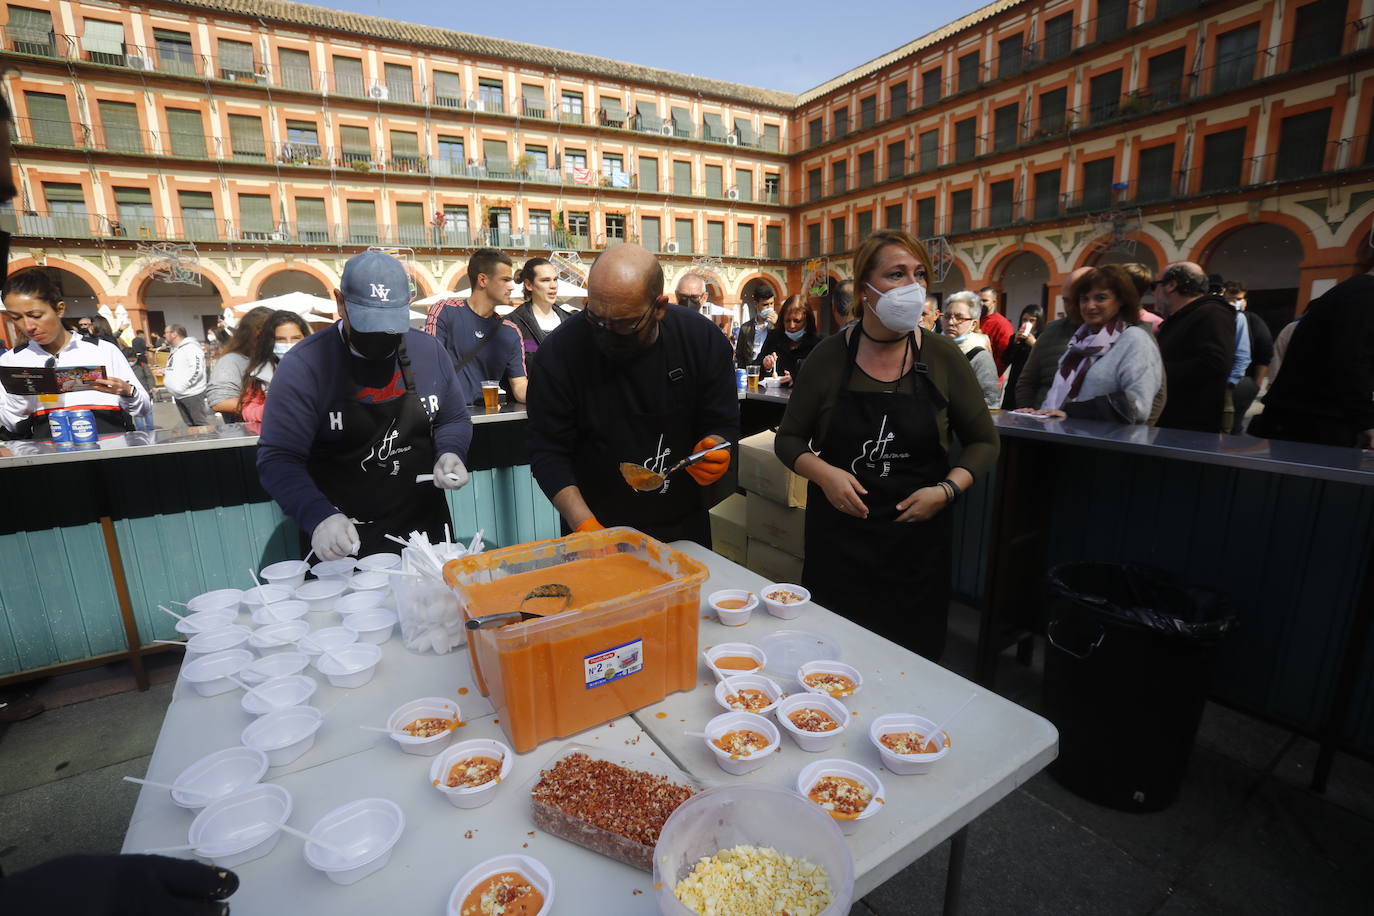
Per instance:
(1111,369)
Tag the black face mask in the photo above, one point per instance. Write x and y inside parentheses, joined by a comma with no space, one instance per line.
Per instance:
(619,348)
(374,344)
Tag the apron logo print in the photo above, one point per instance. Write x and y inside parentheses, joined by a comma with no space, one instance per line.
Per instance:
(874,452)
(395,468)
(660,461)
(385,449)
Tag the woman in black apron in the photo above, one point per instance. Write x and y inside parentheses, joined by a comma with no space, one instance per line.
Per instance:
(370,473)
(878,527)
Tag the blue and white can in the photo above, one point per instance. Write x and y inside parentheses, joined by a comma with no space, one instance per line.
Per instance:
(741,379)
(83,429)
(60,424)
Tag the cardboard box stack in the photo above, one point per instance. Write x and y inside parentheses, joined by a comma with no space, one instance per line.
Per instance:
(775,511)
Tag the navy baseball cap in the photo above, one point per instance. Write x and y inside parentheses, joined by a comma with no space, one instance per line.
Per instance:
(376,292)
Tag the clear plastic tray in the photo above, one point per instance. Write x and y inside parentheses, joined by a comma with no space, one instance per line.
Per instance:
(560,823)
(788,650)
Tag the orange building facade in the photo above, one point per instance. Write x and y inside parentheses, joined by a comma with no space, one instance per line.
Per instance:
(262,143)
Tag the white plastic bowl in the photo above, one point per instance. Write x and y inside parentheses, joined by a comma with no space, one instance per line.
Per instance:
(218,775)
(209,674)
(813,741)
(321,593)
(278,637)
(279,693)
(370,580)
(290,573)
(242,827)
(813,773)
(351,666)
(334,569)
(754,682)
(221,599)
(380,561)
(426,708)
(218,640)
(366,829)
(470,796)
(259,595)
(201,621)
(735,721)
(734,648)
(285,734)
(277,664)
(532,870)
(280,611)
(785,611)
(906,764)
(357,602)
(733,617)
(328,639)
(829,667)
(373,627)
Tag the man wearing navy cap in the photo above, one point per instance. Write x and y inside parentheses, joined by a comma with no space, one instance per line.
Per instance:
(358,410)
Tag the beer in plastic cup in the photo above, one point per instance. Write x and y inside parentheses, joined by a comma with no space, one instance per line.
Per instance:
(753,377)
(491,394)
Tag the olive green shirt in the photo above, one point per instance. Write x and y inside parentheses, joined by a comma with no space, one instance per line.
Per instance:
(813,398)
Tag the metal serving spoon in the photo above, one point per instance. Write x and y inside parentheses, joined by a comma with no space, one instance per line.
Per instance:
(646,481)
(541,591)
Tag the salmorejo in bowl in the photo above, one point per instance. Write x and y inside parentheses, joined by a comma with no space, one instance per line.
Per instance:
(904,742)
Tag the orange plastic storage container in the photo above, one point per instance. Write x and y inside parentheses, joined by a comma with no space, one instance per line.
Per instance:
(628,639)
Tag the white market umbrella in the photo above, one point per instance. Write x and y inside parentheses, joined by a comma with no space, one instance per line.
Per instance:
(568,290)
(303,304)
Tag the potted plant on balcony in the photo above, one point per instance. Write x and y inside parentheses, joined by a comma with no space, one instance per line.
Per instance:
(523,162)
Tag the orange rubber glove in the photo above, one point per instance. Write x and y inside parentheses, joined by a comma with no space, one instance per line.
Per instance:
(590,524)
(713,467)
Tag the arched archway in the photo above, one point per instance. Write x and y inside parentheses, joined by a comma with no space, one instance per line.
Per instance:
(292,281)
(197,308)
(1025,281)
(1266,258)
(80,298)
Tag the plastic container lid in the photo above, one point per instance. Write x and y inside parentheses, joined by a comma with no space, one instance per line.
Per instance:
(788,650)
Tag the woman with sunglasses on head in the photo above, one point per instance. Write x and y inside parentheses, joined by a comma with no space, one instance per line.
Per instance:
(280,332)
(34,305)
(539,315)
(869,424)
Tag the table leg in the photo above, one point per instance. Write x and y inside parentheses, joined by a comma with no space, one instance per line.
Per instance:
(126,606)
(954,878)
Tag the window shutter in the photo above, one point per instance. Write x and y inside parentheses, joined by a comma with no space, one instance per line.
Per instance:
(649,233)
(713,127)
(119,121)
(682,177)
(64,193)
(648,117)
(255,214)
(682,122)
(187,132)
(405,143)
(535,104)
(648,174)
(49,119)
(448,90)
(235,59)
(295,69)
(245,137)
(105,38)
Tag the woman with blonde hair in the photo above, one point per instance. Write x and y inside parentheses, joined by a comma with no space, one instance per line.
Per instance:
(869,424)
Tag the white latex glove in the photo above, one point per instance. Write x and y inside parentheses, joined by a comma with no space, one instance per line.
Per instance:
(334,538)
(449,473)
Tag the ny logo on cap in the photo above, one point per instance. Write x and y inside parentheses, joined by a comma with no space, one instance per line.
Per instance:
(381,292)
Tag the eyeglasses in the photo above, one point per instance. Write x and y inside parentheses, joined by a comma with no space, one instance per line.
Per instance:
(621,326)
(690,302)
(955,319)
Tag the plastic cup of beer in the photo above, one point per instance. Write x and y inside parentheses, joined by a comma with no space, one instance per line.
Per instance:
(752,375)
(491,394)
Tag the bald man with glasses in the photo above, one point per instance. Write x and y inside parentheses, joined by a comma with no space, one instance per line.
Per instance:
(634,380)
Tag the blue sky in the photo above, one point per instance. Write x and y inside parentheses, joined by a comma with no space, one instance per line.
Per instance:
(787,46)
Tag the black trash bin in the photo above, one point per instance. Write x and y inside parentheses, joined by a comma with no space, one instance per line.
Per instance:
(1127,671)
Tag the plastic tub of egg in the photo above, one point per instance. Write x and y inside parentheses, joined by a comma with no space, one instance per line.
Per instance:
(276,664)
(783,600)
(242,827)
(754,693)
(290,573)
(366,830)
(285,734)
(209,674)
(730,658)
(373,626)
(848,792)
(278,637)
(218,775)
(475,767)
(741,741)
(830,678)
(279,693)
(901,739)
(513,877)
(790,839)
(733,606)
(280,611)
(258,595)
(424,727)
(814,720)
(220,599)
(200,621)
(219,639)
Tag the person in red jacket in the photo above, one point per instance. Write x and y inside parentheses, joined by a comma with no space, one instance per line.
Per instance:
(997,328)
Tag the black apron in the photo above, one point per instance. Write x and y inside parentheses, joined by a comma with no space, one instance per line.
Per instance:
(655,436)
(890,577)
(369,474)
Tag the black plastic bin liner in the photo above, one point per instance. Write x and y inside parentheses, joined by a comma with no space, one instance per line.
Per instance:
(1127,669)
